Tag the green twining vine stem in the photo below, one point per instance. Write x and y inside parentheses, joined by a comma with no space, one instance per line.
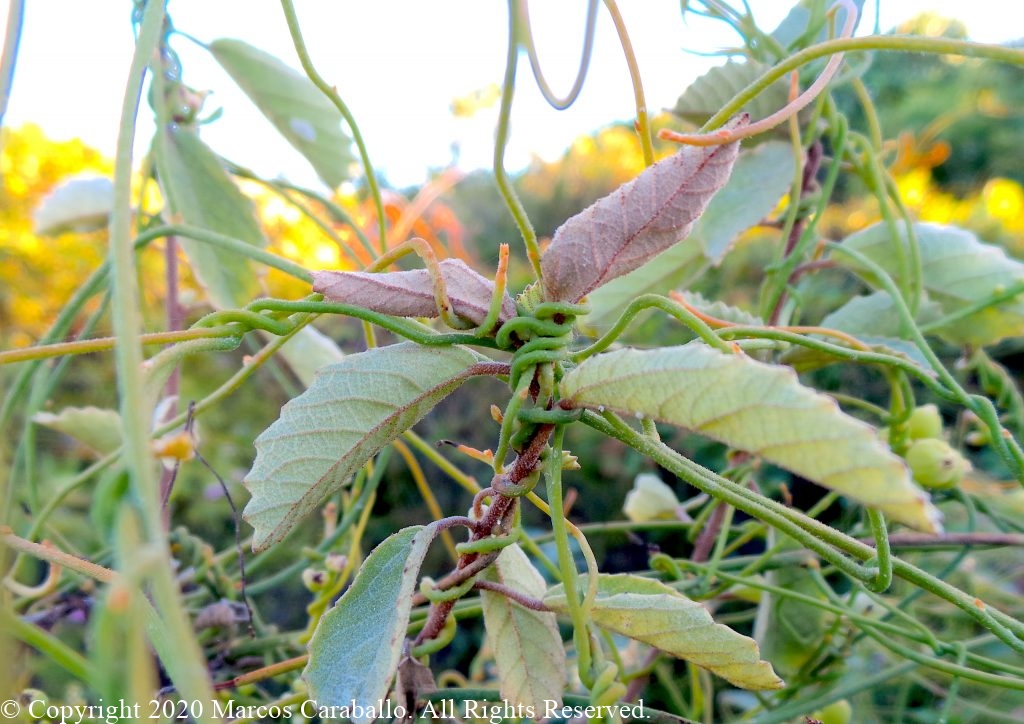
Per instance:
(333,96)
(830,544)
(653,301)
(566,562)
(526,40)
(1005,444)
(508,193)
(938,46)
(188,670)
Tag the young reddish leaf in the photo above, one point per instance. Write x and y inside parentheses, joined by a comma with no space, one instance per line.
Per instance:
(637,221)
(411,293)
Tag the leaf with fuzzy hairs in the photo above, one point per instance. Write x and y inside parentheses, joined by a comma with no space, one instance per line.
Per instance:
(351,410)
(528,650)
(761,409)
(411,293)
(357,646)
(637,221)
(650,611)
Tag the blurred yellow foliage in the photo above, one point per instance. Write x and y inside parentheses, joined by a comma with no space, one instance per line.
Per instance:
(37,275)
(995,211)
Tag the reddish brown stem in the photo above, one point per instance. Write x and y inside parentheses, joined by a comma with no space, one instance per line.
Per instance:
(519,597)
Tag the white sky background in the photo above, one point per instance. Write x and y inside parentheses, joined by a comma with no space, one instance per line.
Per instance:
(398,64)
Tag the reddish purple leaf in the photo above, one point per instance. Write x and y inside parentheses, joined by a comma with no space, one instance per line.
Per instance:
(411,293)
(637,221)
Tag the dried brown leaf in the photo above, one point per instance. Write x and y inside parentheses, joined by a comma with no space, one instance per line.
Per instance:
(411,293)
(637,221)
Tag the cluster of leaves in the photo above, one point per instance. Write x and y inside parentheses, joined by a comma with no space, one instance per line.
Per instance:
(799,602)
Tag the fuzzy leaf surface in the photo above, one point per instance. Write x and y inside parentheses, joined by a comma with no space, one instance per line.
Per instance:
(958,271)
(197,189)
(528,649)
(411,293)
(350,411)
(636,222)
(759,408)
(97,428)
(296,107)
(355,650)
(649,611)
(759,179)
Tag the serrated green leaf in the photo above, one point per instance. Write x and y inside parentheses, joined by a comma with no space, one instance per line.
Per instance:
(706,95)
(528,649)
(761,176)
(350,411)
(649,611)
(96,428)
(355,650)
(759,408)
(297,108)
(958,271)
(197,190)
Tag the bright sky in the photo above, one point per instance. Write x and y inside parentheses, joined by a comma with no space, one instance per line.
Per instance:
(398,64)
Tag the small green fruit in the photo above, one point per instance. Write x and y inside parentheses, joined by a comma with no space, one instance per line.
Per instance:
(925,422)
(838,712)
(935,464)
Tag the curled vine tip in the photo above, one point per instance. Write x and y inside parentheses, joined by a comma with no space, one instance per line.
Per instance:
(723,135)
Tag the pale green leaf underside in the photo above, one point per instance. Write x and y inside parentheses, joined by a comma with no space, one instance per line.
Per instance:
(527,647)
(198,190)
(759,408)
(356,647)
(297,108)
(958,271)
(350,411)
(649,611)
(97,428)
